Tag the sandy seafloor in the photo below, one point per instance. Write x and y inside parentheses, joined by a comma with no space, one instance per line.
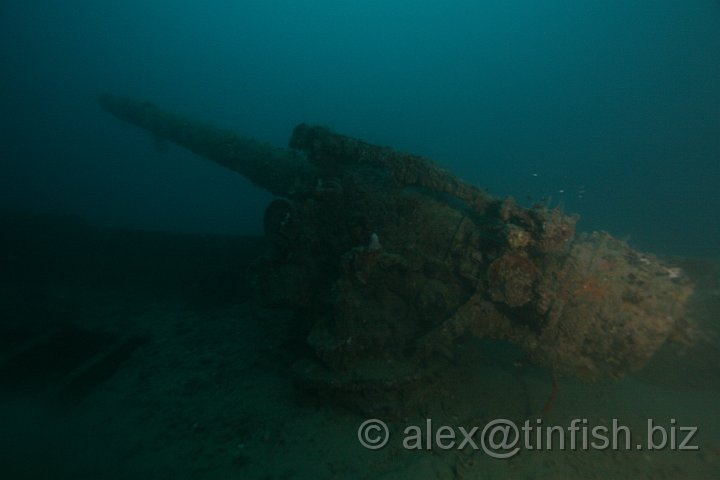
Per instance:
(202,384)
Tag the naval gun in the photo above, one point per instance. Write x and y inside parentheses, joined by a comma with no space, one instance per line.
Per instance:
(389,260)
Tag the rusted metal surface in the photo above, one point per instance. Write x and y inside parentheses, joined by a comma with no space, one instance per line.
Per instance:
(390,259)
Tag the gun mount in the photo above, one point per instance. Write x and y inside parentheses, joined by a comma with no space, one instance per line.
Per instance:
(390,260)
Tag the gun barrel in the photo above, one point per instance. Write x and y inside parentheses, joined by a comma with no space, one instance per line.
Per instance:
(274,169)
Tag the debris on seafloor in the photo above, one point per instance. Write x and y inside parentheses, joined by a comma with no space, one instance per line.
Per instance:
(453,261)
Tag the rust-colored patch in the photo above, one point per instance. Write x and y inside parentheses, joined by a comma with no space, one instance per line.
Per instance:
(591,288)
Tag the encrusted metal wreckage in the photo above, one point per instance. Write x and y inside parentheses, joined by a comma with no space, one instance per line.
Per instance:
(390,260)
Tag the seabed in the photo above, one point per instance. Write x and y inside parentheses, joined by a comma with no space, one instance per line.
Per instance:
(145,355)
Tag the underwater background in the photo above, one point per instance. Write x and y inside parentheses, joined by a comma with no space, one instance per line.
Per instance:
(133,343)
(608,108)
